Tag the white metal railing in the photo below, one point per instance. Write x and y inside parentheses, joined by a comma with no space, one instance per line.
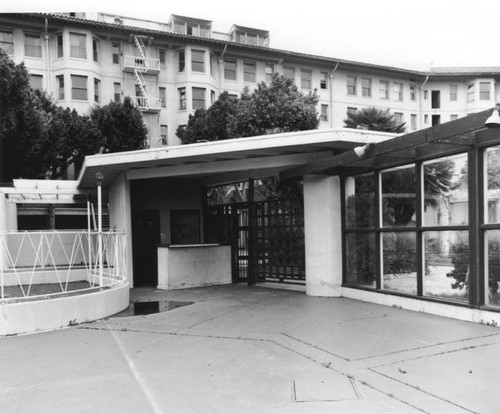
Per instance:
(145,103)
(48,264)
(141,63)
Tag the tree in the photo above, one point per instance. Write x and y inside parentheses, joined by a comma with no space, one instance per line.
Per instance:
(278,107)
(209,124)
(121,126)
(20,122)
(374,119)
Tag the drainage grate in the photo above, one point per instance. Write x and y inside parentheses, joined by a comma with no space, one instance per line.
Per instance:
(325,390)
(150,307)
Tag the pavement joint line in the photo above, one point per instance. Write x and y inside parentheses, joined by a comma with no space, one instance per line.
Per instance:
(315,346)
(424,391)
(137,375)
(449,351)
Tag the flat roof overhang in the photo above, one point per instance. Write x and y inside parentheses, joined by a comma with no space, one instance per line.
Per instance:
(439,141)
(220,162)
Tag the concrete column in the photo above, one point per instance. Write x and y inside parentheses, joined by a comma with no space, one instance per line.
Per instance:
(323,235)
(120,215)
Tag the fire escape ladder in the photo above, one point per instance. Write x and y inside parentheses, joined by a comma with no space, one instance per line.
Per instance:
(139,43)
(143,100)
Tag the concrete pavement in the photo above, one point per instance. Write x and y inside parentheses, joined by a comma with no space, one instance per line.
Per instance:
(239,349)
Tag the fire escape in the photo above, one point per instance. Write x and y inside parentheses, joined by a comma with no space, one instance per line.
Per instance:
(143,65)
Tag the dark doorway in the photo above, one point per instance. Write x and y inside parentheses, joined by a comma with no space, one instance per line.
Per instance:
(436,99)
(145,239)
(436,120)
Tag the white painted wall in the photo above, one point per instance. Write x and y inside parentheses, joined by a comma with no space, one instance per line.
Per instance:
(181,267)
(323,235)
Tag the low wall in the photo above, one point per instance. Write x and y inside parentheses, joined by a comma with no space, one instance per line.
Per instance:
(187,266)
(50,314)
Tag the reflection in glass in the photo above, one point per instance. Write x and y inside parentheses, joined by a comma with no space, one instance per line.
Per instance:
(361,259)
(228,194)
(360,201)
(446,267)
(399,197)
(399,260)
(493,268)
(445,192)
(493,185)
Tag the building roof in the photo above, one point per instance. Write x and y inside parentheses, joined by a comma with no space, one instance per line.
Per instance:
(319,60)
(231,160)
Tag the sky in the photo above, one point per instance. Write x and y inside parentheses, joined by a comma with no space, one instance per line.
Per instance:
(414,34)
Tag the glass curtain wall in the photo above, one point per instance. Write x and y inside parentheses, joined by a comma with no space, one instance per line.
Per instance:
(406,230)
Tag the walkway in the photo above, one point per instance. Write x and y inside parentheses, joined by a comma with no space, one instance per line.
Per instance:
(239,349)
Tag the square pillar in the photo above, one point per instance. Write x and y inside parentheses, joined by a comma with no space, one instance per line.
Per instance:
(120,215)
(323,235)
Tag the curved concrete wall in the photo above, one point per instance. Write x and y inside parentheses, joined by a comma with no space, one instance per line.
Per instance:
(45,315)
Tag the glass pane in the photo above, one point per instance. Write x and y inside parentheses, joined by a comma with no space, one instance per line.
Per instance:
(361,264)
(446,264)
(399,197)
(399,261)
(446,196)
(493,268)
(228,194)
(492,175)
(360,201)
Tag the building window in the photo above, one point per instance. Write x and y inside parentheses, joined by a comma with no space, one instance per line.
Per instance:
(164,134)
(198,60)
(398,117)
(163,59)
(384,89)
(77,44)
(484,91)
(181,60)
(117,88)
(229,69)
(453,92)
(435,99)
(366,87)
(324,113)
(198,98)
(60,87)
(7,41)
(426,119)
(249,71)
(97,90)
(95,49)
(413,120)
(32,45)
(426,95)
(323,80)
(60,45)
(269,72)
(413,93)
(79,88)
(116,52)
(305,79)
(163,97)
(212,64)
(398,91)
(289,72)
(36,82)
(182,98)
(212,97)
(453,117)
(351,111)
(351,85)
(470,92)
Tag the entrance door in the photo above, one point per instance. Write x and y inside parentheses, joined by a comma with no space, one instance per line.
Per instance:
(145,238)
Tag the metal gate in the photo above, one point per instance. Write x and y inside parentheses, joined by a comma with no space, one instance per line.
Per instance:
(267,238)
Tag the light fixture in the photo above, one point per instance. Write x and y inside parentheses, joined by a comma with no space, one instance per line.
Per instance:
(365,150)
(494,120)
(99,177)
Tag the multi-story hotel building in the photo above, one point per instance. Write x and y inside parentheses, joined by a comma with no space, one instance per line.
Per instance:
(172,68)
